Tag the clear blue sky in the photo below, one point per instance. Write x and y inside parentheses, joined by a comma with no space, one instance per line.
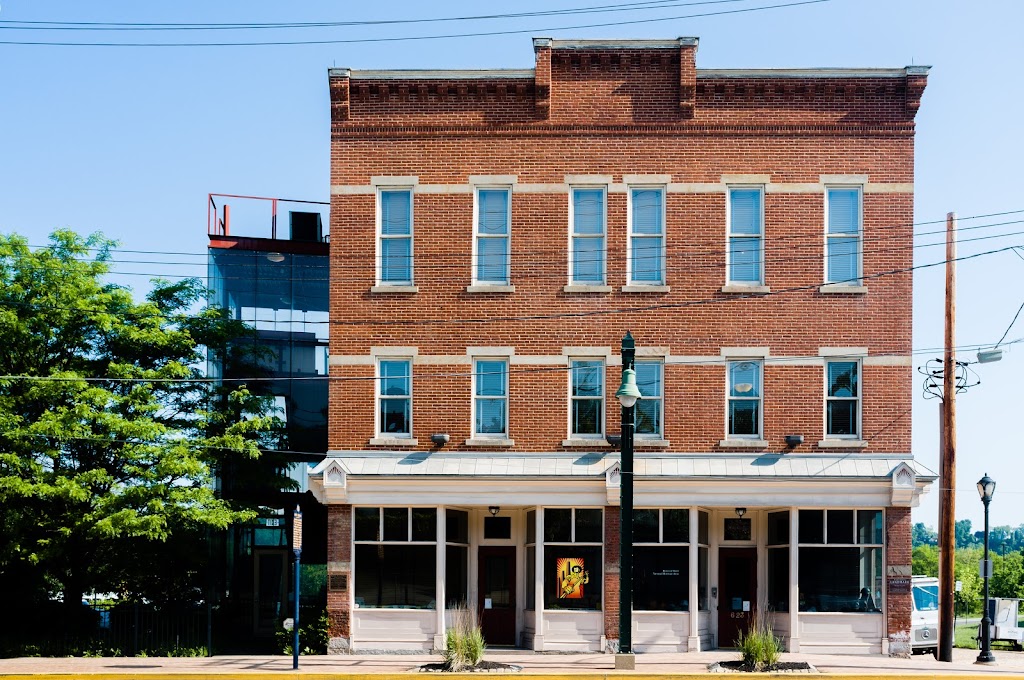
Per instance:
(130,140)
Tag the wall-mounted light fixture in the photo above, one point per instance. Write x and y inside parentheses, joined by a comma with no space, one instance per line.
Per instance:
(740,512)
(440,438)
(494,510)
(275,257)
(794,440)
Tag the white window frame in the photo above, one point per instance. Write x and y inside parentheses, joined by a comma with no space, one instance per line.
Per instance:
(859,281)
(477,236)
(381,237)
(660,434)
(572,234)
(729,236)
(663,280)
(505,398)
(858,399)
(759,435)
(572,399)
(379,398)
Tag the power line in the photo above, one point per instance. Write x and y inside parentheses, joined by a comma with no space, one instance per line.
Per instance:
(1019,309)
(480,34)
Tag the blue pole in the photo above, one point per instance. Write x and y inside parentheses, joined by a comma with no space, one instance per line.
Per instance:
(295,629)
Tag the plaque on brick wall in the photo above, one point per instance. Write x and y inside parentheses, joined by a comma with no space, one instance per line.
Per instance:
(337,581)
(899,585)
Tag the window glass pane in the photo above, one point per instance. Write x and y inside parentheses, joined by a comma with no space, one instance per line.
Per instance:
(396,524)
(492,209)
(457,526)
(778,528)
(842,379)
(395,212)
(843,211)
(424,524)
(396,259)
(745,211)
(490,416)
(745,259)
(840,526)
(744,379)
(455,578)
(394,416)
(842,417)
(394,378)
(588,259)
(648,416)
(531,526)
(492,259)
(647,211)
(842,260)
(557,525)
(396,576)
(840,579)
(702,527)
(588,526)
(744,416)
(588,211)
(497,527)
(926,598)
(778,579)
(646,254)
(869,526)
(490,378)
(675,526)
(573,577)
(586,416)
(645,526)
(648,378)
(367,521)
(531,577)
(812,526)
(702,579)
(661,578)
(587,378)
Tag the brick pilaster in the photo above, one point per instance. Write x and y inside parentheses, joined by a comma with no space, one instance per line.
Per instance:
(898,552)
(339,577)
(542,77)
(611,573)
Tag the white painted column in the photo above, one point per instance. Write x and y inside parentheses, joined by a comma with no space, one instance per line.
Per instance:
(538,583)
(439,578)
(693,638)
(794,581)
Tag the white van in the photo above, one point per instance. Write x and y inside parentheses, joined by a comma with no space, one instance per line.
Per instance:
(924,621)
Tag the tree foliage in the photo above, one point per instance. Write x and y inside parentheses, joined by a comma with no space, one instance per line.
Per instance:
(109,440)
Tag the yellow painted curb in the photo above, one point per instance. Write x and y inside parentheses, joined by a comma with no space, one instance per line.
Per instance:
(611,675)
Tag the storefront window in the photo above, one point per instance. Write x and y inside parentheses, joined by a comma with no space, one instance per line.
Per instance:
(838,574)
(456,563)
(661,561)
(702,561)
(400,570)
(573,559)
(530,568)
(778,561)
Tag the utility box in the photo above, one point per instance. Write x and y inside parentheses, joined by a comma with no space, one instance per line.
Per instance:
(1005,615)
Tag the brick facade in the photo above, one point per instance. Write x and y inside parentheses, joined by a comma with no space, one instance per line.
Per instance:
(898,551)
(339,568)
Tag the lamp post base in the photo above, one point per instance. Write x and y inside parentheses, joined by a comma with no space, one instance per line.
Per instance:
(625,662)
(986,659)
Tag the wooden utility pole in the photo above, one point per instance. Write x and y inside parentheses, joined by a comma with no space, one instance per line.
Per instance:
(947,474)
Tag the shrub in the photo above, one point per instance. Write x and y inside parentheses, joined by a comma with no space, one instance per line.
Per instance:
(464,641)
(313,635)
(758,646)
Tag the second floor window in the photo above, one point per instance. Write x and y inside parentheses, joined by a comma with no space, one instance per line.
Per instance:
(647,236)
(588,237)
(744,399)
(395,252)
(490,397)
(394,417)
(843,261)
(842,401)
(745,237)
(649,409)
(587,413)
(493,215)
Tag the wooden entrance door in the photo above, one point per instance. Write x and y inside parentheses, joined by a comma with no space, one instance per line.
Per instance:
(497,605)
(737,592)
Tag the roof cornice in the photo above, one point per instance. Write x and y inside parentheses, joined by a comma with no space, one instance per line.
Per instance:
(813,72)
(431,74)
(670,44)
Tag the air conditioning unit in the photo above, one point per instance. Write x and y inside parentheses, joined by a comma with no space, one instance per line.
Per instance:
(305,226)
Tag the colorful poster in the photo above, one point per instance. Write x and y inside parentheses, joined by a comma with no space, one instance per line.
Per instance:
(572,576)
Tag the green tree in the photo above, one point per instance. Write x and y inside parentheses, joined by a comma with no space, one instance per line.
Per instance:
(109,438)
(925,560)
(1007,576)
(964,537)
(922,535)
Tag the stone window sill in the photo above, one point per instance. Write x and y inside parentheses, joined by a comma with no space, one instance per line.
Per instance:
(394,290)
(743,444)
(583,288)
(745,288)
(639,442)
(490,442)
(843,288)
(842,444)
(393,441)
(490,288)
(646,288)
(586,443)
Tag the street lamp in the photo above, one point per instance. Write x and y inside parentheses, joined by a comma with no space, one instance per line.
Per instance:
(627,395)
(297,551)
(986,488)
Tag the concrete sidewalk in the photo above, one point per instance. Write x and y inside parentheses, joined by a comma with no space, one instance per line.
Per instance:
(581,666)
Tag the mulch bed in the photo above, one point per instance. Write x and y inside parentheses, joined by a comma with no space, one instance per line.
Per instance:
(480,667)
(740,667)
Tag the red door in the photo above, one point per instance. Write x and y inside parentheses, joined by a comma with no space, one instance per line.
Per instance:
(737,592)
(497,606)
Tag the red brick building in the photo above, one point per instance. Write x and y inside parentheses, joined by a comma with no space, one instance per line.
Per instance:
(495,234)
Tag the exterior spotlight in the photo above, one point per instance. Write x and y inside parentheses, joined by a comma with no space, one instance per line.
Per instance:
(494,510)
(740,512)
